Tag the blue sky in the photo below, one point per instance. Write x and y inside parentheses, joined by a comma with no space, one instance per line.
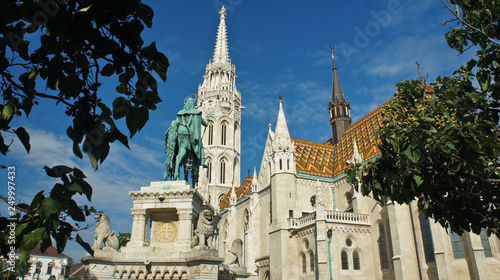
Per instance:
(277,46)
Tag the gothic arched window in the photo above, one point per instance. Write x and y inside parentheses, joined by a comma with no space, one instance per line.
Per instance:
(222,171)
(210,133)
(355,261)
(304,263)
(456,244)
(486,244)
(312,261)
(382,247)
(425,228)
(209,170)
(345,262)
(223,133)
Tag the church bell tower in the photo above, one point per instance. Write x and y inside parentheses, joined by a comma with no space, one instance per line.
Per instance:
(340,110)
(220,102)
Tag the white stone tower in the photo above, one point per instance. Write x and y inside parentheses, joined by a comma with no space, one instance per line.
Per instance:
(283,197)
(220,101)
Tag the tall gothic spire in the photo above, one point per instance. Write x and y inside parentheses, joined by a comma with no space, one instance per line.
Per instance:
(218,97)
(340,110)
(221,53)
(337,93)
(281,125)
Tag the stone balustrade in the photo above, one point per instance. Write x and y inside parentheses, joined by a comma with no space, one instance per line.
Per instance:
(331,217)
(347,218)
(303,221)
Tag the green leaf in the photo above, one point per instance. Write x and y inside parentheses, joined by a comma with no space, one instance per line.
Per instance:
(82,10)
(84,244)
(120,136)
(78,173)
(82,187)
(58,191)
(90,150)
(24,137)
(108,70)
(35,203)
(121,108)
(20,227)
(30,240)
(137,119)
(9,109)
(26,105)
(49,206)
(57,171)
(75,212)
(418,180)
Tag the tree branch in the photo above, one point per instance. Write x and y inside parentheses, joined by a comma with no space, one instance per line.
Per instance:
(15,206)
(39,94)
(449,6)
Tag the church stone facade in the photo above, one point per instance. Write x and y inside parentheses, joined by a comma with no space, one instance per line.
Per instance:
(296,217)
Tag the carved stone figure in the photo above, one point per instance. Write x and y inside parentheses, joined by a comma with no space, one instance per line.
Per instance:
(183,141)
(234,256)
(104,233)
(205,230)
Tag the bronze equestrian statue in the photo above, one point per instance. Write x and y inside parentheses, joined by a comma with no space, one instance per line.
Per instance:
(184,146)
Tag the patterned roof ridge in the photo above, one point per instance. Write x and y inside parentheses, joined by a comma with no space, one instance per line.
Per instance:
(328,142)
(313,158)
(362,132)
(241,191)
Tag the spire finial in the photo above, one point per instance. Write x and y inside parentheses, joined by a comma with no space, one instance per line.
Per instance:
(223,13)
(281,98)
(221,54)
(333,57)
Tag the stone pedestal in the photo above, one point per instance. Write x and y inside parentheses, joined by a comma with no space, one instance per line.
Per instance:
(164,249)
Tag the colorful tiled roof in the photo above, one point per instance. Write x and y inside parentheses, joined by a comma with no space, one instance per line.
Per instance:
(325,160)
(241,191)
(328,142)
(362,132)
(313,158)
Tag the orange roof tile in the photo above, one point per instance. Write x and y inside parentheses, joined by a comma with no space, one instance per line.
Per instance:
(328,142)
(362,132)
(313,158)
(325,160)
(241,191)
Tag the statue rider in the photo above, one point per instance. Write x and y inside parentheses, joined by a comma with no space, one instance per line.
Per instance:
(183,142)
(190,120)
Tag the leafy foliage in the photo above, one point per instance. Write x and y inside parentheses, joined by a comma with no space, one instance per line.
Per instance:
(440,142)
(123,239)
(19,271)
(81,44)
